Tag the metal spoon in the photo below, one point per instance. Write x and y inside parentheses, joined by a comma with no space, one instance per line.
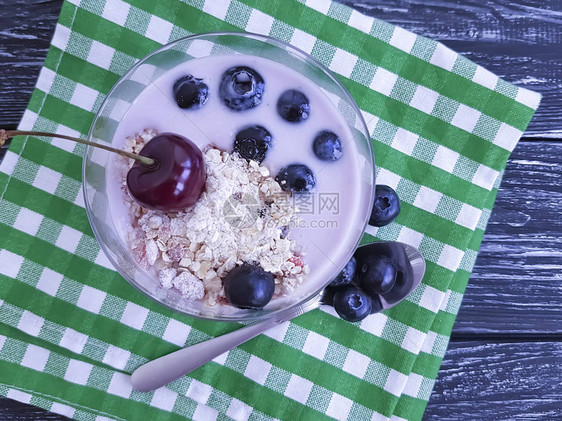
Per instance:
(168,368)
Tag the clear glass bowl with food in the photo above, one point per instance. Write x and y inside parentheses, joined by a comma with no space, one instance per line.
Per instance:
(259,182)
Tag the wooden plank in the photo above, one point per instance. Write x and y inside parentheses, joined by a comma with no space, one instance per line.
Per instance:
(501,381)
(515,288)
(26,28)
(14,410)
(521,41)
(477,380)
(519,265)
(516,285)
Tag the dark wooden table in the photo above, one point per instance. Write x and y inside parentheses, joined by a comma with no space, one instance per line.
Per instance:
(505,356)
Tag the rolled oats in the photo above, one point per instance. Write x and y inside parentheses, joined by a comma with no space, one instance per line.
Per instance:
(243,216)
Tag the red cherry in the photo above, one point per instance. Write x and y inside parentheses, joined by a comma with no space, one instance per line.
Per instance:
(177,178)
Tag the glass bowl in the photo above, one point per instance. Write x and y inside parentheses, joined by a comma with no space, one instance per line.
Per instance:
(97,163)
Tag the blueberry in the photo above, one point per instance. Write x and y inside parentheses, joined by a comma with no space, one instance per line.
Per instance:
(327,146)
(386,207)
(404,270)
(346,275)
(190,92)
(297,178)
(328,295)
(253,143)
(249,286)
(293,106)
(376,274)
(401,288)
(376,305)
(352,304)
(241,88)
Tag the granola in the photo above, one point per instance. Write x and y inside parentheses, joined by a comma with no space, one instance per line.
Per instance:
(243,216)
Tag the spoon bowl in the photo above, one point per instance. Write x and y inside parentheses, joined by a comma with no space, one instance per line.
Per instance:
(168,368)
(411,268)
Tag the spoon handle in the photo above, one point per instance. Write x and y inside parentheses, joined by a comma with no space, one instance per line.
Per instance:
(168,368)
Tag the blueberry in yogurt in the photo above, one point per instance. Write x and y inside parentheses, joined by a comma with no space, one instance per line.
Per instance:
(241,88)
(190,92)
(244,128)
(327,146)
(297,178)
(253,142)
(293,106)
(249,286)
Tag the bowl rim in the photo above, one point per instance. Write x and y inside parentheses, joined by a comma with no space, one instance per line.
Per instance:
(259,315)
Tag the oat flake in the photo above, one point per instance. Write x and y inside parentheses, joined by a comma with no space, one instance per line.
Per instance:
(241,217)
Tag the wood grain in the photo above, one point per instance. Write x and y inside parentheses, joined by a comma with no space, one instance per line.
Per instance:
(26,28)
(501,381)
(521,41)
(505,353)
(477,381)
(12,410)
(516,285)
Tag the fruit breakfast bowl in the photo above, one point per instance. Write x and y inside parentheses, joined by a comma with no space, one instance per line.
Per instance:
(260,179)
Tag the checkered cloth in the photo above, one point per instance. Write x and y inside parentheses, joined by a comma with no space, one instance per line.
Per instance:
(72,330)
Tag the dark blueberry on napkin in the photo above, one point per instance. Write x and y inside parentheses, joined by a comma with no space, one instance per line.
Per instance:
(352,304)
(386,207)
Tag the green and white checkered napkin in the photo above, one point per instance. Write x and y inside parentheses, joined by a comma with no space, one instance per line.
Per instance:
(72,329)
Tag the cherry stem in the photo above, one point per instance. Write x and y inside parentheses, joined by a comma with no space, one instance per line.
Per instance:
(6,134)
